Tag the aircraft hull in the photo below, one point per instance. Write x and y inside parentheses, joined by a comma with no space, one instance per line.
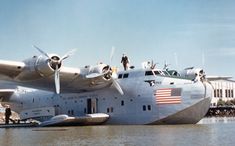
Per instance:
(190,115)
(196,99)
(137,106)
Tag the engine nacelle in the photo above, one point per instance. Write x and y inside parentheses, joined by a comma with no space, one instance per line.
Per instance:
(99,70)
(191,73)
(43,67)
(39,66)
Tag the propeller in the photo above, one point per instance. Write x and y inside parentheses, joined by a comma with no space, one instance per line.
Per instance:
(107,73)
(68,54)
(117,86)
(57,80)
(111,55)
(115,83)
(55,63)
(41,51)
(107,68)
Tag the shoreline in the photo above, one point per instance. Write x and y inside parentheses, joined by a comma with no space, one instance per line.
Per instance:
(223,111)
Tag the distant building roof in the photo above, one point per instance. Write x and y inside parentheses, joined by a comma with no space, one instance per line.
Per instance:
(214,78)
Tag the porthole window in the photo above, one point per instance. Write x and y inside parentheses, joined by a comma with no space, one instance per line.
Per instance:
(144,108)
(111,109)
(122,103)
(125,75)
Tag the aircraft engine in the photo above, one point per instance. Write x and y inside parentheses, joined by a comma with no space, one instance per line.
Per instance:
(107,71)
(101,69)
(45,66)
(191,73)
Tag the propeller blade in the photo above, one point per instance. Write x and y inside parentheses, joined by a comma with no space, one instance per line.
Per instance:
(57,80)
(41,51)
(93,75)
(68,54)
(118,87)
(153,73)
(111,55)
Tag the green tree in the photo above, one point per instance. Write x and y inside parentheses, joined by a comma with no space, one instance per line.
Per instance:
(228,103)
(232,101)
(220,102)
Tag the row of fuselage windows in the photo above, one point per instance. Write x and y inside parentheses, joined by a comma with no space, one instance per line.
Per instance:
(228,93)
(147,73)
(70,112)
(150,73)
(110,109)
(145,108)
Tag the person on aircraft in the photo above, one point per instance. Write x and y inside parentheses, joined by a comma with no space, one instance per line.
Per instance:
(125,61)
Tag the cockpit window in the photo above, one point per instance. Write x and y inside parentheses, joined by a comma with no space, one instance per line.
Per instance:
(173,73)
(149,73)
(166,73)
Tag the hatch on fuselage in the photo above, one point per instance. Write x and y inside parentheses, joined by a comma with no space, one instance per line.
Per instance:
(92,105)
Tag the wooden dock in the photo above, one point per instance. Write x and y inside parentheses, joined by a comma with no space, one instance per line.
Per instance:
(18,125)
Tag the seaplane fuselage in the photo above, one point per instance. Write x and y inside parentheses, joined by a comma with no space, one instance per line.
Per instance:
(150,97)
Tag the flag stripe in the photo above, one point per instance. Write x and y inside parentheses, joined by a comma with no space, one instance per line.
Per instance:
(169,102)
(168,96)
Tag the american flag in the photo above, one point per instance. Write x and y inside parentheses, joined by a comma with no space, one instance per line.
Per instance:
(168,96)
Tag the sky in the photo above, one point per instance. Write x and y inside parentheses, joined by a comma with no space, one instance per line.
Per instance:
(184,33)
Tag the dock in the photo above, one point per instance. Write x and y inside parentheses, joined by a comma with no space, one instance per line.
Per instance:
(18,125)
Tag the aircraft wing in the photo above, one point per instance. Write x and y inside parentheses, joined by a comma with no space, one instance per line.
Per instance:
(79,80)
(10,69)
(39,73)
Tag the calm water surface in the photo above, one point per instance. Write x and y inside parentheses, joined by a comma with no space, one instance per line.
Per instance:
(209,132)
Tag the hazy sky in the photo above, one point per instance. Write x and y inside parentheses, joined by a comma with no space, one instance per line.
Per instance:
(184,33)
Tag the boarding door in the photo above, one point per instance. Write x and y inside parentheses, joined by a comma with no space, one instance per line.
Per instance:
(92,105)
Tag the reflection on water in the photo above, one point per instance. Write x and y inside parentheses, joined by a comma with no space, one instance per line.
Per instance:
(215,120)
(182,135)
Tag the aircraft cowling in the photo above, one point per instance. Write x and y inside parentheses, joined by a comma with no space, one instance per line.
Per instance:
(46,67)
(101,69)
(38,67)
(191,73)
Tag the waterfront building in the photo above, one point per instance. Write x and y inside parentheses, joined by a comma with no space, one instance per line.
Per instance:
(224,88)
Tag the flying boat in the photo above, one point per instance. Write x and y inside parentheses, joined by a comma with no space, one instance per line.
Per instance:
(99,94)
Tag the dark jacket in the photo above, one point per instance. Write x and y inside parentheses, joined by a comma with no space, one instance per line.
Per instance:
(7,112)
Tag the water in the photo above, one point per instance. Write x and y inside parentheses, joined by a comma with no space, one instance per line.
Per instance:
(208,133)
